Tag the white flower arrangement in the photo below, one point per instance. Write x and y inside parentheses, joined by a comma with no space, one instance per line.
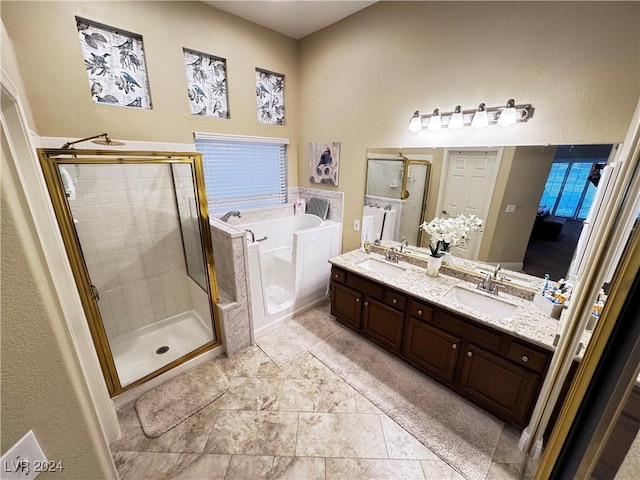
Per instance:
(450,232)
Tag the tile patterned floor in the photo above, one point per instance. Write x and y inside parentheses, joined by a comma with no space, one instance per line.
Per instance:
(300,421)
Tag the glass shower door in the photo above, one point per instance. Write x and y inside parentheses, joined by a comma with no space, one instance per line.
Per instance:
(136,228)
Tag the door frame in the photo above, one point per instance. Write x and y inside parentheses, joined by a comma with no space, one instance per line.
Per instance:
(446,165)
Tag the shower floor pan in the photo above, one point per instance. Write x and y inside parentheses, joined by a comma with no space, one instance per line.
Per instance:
(143,351)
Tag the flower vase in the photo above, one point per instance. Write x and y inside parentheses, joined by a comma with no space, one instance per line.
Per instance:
(433,266)
(446,258)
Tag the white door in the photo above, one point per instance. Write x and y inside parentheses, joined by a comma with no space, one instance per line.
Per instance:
(469,180)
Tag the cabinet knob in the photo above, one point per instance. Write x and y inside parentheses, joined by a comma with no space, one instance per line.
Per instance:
(419,312)
(357,300)
(469,354)
(395,300)
(454,346)
(336,276)
(525,358)
(366,304)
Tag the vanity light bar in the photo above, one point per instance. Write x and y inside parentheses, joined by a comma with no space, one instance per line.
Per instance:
(508,115)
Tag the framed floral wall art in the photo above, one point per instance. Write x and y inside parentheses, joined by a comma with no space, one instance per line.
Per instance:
(115,64)
(206,84)
(270,97)
(324,162)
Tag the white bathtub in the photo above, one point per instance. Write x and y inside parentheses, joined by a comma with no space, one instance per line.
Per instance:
(288,268)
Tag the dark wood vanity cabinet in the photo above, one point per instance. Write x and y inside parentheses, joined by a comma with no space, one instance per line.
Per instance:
(497,384)
(346,305)
(501,373)
(383,324)
(368,307)
(431,349)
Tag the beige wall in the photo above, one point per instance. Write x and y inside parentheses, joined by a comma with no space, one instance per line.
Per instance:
(45,39)
(578,63)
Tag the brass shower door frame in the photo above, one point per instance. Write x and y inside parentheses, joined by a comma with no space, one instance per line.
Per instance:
(50,159)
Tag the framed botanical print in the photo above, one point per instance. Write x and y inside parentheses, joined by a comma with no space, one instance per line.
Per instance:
(115,64)
(206,84)
(270,97)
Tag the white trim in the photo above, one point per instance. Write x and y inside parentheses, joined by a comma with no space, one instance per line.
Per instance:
(238,138)
(443,182)
(50,239)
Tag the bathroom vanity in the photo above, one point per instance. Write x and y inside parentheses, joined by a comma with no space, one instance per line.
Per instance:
(497,362)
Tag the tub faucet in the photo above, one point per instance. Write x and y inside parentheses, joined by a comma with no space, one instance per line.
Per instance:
(232,213)
(253,235)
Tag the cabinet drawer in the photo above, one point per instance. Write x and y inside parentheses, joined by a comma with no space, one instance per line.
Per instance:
(527,357)
(338,275)
(372,289)
(395,299)
(476,335)
(421,311)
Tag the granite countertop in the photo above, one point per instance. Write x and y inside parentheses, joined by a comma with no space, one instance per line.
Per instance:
(528,322)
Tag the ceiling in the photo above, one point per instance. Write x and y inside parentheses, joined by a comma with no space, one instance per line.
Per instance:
(295,19)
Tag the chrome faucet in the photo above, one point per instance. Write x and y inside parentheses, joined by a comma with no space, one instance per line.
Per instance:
(253,235)
(489,284)
(392,254)
(403,244)
(232,213)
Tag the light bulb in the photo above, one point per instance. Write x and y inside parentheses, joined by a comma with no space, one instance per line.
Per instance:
(435,122)
(457,120)
(508,115)
(415,125)
(480,118)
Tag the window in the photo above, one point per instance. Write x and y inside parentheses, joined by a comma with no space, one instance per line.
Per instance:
(569,191)
(243,172)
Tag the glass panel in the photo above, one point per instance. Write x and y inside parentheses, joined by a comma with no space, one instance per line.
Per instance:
(412,207)
(587,202)
(189,224)
(573,188)
(384,178)
(127,224)
(554,185)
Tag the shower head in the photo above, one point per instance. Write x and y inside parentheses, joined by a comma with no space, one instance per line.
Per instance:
(102,139)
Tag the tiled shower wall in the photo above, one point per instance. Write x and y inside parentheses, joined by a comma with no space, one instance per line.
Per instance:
(128,227)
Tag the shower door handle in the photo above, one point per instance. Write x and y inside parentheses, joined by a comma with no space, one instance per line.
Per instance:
(94,293)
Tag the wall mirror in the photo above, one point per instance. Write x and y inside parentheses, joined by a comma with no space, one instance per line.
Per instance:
(520,192)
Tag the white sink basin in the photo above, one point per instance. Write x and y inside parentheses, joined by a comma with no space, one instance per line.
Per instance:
(484,303)
(381,267)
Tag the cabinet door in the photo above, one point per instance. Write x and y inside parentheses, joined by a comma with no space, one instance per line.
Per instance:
(497,384)
(383,324)
(346,305)
(431,349)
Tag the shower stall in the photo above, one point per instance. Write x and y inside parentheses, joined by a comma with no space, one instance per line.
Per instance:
(136,230)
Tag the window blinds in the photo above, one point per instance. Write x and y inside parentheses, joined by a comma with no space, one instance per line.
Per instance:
(241,175)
